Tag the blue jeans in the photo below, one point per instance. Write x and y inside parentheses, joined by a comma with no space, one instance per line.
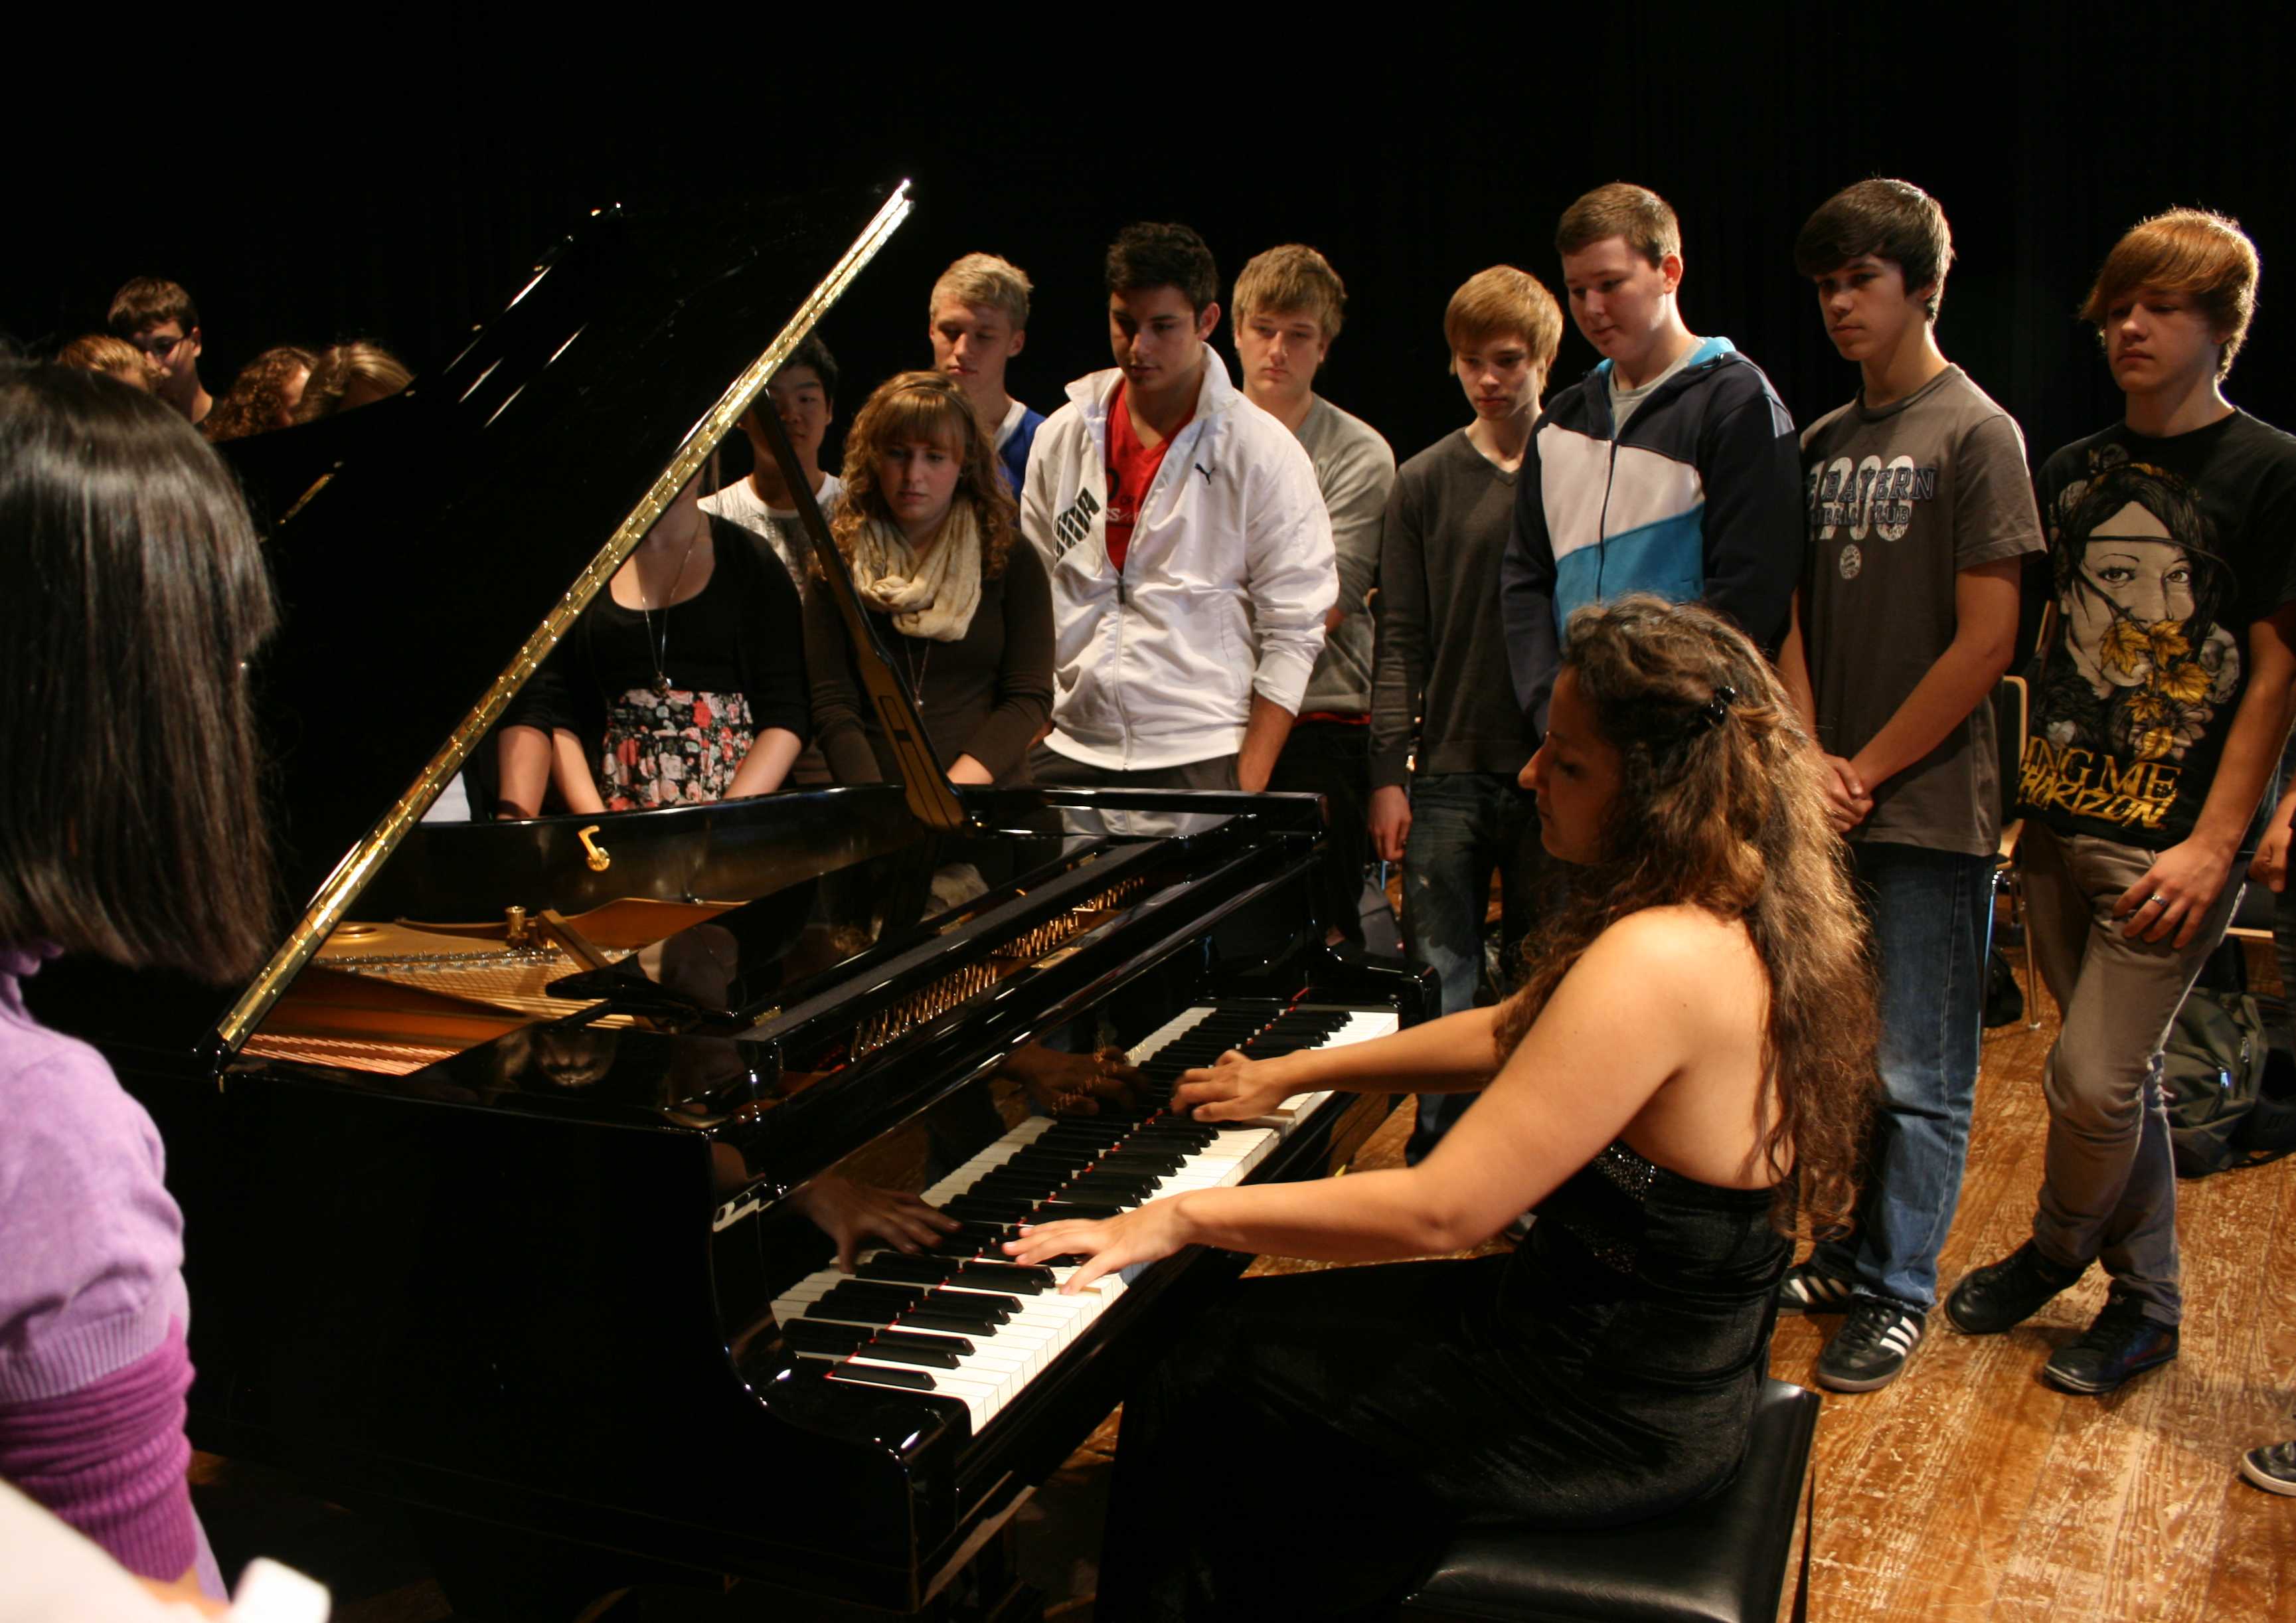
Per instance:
(1932,918)
(1462,825)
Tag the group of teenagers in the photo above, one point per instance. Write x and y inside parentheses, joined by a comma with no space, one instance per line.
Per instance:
(1712,696)
(152,341)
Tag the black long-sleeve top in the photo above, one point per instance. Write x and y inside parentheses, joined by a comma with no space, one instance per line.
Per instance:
(742,633)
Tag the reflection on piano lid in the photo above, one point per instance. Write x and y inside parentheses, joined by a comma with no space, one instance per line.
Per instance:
(431,550)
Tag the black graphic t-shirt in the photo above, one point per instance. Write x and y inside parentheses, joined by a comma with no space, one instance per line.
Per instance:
(2164,552)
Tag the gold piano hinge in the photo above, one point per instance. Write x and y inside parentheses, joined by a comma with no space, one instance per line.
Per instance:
(1036,943)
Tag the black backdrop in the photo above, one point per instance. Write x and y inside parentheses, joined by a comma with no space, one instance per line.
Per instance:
(2045,130)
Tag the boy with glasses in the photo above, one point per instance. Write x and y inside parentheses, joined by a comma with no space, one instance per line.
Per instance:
(161,320)
(1920,511)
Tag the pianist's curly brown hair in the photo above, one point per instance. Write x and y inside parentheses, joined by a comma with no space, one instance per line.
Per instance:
(924,406)
(1729,815)
(132,594)
(258,400)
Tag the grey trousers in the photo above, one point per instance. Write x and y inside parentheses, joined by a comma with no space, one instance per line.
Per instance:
(2110,1192)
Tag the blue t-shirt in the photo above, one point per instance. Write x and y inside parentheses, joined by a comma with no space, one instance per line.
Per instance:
(1014,436)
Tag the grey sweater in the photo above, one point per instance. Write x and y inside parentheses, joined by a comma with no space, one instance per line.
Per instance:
(1441,650)
(1356,472)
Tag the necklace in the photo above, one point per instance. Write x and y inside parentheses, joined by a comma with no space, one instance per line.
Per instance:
(662,653)
(917,668)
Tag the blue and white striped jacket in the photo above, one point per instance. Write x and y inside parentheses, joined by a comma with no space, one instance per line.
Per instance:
(1700,498)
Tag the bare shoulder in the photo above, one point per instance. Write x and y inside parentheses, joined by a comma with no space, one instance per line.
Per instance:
(1680,937)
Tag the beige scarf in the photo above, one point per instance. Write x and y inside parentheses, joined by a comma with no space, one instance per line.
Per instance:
(935,600)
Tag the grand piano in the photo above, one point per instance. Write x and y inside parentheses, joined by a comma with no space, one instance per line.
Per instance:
(504,1179)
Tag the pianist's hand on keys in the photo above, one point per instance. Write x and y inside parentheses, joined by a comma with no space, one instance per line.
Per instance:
(1234,1088)
(1106,1245)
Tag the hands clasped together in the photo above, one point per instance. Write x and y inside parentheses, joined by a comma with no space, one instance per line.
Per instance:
(1231,1089)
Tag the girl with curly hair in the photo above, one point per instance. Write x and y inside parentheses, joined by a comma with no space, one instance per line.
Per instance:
(1681,1084)
(264,396)
(928,532)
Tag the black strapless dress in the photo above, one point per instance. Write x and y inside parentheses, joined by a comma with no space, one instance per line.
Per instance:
(1305,1448)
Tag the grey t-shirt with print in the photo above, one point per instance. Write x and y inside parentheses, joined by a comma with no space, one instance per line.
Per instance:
(1901,500)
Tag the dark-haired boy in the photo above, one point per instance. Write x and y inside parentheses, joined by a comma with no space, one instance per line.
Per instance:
(1189,550)
(2161,709)
(1289,304)
(1670,468)
(803,394)
(160,319)
(1920,509)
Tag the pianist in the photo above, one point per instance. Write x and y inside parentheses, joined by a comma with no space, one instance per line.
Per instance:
(1680,1084)
(132,592)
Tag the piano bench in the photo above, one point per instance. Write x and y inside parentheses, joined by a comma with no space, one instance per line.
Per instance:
(1722,1559)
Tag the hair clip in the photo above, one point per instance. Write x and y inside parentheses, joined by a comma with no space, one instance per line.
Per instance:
(1717,710)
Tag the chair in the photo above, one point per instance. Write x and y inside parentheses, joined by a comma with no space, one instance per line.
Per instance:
(2011,720)
(1722,1559)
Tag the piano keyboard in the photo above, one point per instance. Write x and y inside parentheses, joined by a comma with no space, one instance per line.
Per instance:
(962,1322)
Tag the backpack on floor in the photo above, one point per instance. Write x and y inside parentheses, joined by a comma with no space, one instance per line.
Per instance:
(2212,1073)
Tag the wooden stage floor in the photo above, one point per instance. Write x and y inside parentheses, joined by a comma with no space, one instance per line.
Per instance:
(1967,1491)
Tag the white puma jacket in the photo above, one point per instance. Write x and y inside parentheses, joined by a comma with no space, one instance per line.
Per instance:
(1223,592)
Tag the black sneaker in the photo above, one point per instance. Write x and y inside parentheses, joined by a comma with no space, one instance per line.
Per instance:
(2273,1469)
(1805,1289)
(1871,1348)
(2122,1342)
(2007,1292)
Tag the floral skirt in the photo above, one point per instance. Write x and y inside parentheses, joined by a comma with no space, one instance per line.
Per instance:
(673,748)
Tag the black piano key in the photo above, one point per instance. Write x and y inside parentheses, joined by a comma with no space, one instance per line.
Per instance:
(1018,1185)
(869,1374)
(1159,1164)
(814,1336)
(895,1348)
(1007,1305)
(846,1301)
(1064,1211)
(955,1324)
(1026,1278)
(1118,1186)
(973,1208)
(891,1265)
(1032,1158)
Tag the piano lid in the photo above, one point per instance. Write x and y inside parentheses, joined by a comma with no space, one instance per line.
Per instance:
(431,550)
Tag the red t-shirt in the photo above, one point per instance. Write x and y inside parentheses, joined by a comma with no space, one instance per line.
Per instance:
(1131,470)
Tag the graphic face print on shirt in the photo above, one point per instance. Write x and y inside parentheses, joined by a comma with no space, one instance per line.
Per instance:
(2143,674)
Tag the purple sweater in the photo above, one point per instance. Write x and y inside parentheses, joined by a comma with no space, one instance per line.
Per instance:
(93,1369)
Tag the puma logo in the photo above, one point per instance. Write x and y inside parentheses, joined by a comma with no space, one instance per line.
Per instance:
(1072,525)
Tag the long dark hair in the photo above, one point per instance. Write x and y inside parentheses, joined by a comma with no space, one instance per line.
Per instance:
(132,592)
(1721,806)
